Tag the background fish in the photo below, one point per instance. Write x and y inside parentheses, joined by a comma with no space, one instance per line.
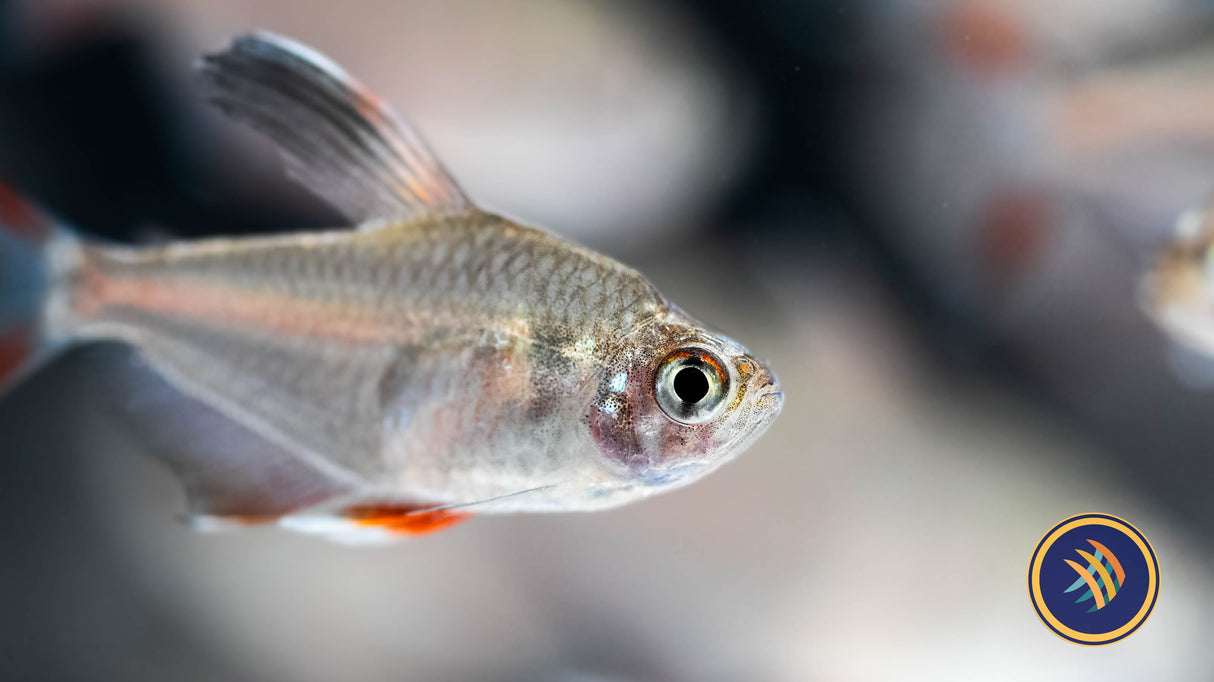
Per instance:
(435,360)
(1178,292)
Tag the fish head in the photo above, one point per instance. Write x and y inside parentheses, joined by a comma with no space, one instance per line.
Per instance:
(674,402)
(1178,291)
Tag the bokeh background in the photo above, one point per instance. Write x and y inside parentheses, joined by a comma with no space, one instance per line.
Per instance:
(930,215)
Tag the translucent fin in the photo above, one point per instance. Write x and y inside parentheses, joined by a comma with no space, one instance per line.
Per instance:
(230,474)
(404,519)
(374,524)
(22,219)
(339,140)
(341,530)
(370,521)
(31,259)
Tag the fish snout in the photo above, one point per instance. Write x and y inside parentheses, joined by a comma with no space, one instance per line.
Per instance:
(767,390)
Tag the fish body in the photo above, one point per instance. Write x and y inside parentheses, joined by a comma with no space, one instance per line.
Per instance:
(434,360)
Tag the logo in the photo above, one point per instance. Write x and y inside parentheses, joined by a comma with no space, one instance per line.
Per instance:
(1093,579)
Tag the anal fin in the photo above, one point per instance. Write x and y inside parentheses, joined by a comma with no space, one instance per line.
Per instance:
(374,523)
(231,475)
(405,519)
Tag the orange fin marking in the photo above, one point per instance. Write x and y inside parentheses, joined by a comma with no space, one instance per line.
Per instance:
(405,519)
(17,215)
(15,348)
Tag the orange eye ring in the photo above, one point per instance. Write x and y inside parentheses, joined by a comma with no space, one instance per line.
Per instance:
(691,385)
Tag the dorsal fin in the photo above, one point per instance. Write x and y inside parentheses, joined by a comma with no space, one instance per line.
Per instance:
(339,140)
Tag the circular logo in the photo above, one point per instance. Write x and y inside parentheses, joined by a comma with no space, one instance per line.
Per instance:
(1093,579)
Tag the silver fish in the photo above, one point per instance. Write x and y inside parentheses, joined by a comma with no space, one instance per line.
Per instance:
(392,378)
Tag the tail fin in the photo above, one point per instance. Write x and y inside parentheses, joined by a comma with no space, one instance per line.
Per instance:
(30,264)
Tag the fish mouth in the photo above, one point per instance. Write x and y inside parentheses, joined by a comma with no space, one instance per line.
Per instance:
(770,403)
(769,396)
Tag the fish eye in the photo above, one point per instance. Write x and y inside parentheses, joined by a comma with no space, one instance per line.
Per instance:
(691,385)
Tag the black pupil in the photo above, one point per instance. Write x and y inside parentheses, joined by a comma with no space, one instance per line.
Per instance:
(690,385)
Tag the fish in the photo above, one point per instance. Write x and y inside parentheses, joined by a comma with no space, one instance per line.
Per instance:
(427,362)
(1177,292)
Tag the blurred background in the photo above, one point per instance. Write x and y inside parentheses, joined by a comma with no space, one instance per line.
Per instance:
(930,215)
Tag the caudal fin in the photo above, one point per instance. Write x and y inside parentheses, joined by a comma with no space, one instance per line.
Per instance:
(27,238)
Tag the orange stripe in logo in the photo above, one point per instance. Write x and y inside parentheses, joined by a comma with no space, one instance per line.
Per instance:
(1112,560)
(1091,581)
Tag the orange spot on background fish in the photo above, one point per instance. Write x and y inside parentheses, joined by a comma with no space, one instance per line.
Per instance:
(17,215)
(405,519)
(15,347)
(985,36)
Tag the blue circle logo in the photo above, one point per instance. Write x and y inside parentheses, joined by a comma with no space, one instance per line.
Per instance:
(1093,579)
